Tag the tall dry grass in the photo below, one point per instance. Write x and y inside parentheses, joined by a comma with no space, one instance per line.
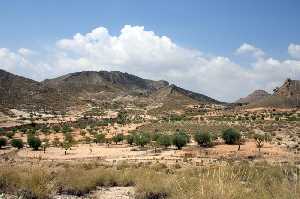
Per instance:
(153,181)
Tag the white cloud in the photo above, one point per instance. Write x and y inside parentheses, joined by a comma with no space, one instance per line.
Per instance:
(249,49)
(294,50)
(26,52)
(149,55)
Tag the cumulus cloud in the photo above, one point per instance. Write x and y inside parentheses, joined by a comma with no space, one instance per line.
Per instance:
(22,62)
(294,50)
(144,53)
(248,49)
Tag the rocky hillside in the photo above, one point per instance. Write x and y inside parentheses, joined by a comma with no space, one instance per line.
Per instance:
(290,88)
(90,87)
(285,96)
(20,92)
(115,81)
(253,97)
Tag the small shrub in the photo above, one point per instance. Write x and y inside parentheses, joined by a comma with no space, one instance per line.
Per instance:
(66,129)
(261,138)
(17,143)
(231,136)
(69,137)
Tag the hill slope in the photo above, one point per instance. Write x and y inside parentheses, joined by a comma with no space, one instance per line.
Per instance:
(253,97)
(20,92)
(286,96)
(85,87)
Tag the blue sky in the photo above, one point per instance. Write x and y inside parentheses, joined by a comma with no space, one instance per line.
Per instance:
(216,28)
(213,26)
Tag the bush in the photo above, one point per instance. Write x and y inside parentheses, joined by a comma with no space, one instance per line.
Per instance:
(3,142)
(142,139)
(69,137)
(100,138)
(17,143)
(180,139)
(165,140)
(66,129)
(155,136)
(203,138)
(34,142)
(118,138)
(231,136)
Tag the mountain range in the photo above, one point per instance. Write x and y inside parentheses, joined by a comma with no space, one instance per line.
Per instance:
(114,88)
(81,88)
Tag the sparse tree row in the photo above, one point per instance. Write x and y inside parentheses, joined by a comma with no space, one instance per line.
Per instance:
(178,139)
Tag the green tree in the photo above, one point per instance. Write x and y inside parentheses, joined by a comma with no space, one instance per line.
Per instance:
(142,139)
(203,138)
(17,143)
(231,136)
(165,140)
(118,138)
(34,142)
(155,136)
(261,138)
(130,139)
(122,117)
(99,138)
(180,139)
(3,142)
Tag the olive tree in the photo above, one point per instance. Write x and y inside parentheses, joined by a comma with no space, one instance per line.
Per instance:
(180,139)
(17,143)
(118,138)
(34,142)
(142,139)
(203,138)
(165,140)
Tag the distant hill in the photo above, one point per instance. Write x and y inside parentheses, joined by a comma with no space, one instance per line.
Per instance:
(290,88)
(115,81)
(85,87)
(253,97)
(285,96)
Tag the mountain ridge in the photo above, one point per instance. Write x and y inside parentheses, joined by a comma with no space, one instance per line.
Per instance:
(97,86)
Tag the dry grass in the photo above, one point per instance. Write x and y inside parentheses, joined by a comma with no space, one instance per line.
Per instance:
(153,180)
